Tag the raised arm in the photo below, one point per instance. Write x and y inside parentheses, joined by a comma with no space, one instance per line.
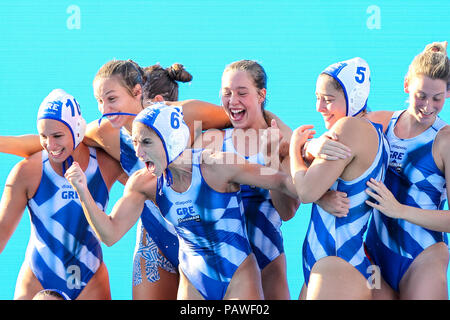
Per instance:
(125,213)
(271,142)
(231,170)
(104,136)
(201,115)
(22,146)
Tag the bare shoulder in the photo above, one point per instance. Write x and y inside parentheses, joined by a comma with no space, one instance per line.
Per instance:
(356,133)
(442,140)
(104,136)
(350,126)
(381,117)
(27,174)
(210,139)
(143,182)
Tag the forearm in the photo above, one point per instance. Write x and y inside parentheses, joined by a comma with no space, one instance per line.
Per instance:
(22,146)
(436,220)
(100,222)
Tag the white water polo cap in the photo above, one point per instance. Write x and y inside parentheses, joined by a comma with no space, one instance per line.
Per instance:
(167,122)
(354,77)
(61,106)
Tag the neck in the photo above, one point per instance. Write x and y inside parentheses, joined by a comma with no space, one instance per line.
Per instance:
(80,155)
(181,170)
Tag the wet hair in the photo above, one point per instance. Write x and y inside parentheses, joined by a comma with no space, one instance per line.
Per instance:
(255,70)
(334,82)
(432,62)
(49,293)
(129,73)
(154,80)
(164,81)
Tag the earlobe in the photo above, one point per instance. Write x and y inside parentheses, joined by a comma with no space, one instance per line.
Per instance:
(137,90)
(262,95)
(158,98)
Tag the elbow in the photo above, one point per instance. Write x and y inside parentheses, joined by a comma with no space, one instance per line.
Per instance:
(305,195)
(291,211)
(109,242)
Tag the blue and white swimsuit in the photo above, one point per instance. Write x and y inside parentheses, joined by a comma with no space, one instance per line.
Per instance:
(64,252)
(211,229)
(328,235)
(263,220)
(160,234)
(414,180)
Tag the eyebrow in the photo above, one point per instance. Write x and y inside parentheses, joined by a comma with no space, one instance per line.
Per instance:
(325,95)
(105,94)
(238,88)
(424,93)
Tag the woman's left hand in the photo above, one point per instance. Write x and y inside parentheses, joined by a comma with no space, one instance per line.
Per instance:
(386,202)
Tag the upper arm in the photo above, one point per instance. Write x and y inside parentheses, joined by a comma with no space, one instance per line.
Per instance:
(381,117)
(441,154)
(18,188)
(128,208)
(210,115)
(105,137)
(210,139)
(110,169)
(201,115)
(237,170)
(321,174)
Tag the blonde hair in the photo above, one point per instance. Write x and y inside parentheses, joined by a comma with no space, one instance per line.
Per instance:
(432,62)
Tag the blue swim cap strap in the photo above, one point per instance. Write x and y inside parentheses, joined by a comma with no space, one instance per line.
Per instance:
(69,162)
(160,181)
(169,177)
(115,114)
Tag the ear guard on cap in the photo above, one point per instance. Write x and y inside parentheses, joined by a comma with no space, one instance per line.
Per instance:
(61,106)
(354,77)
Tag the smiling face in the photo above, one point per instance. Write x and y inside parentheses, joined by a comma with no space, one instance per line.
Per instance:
(241,99)
(426,98)
(149,148)
(330,101)
(56,139)
(112,97)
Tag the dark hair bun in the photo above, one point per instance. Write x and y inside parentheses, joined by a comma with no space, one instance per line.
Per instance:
(178,73)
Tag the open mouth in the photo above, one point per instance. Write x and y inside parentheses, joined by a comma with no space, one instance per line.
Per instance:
(425,114)
(237,114)
(113,117)
(150,166)
(56,154)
